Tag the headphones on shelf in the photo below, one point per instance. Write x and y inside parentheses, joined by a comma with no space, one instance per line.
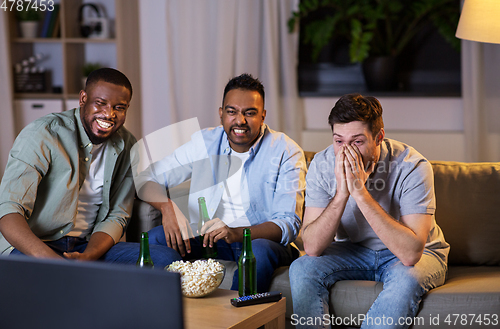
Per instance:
(92,27)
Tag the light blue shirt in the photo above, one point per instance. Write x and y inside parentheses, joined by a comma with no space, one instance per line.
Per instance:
(273,190)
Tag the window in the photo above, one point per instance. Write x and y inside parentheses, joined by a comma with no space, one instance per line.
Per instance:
(428,66)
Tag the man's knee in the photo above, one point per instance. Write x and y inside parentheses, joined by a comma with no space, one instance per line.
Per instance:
(404,279)
(303,268)
(157,236)
(163,255)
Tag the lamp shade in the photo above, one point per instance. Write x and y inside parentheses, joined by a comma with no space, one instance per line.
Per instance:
(480,21)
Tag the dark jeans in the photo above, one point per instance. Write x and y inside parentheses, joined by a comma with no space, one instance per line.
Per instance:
(269,255)
(120,253)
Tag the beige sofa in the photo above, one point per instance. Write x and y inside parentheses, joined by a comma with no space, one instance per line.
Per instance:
(468,211)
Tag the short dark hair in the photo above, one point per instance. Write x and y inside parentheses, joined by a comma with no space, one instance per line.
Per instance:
(244,81)
(109,75)
(356,107)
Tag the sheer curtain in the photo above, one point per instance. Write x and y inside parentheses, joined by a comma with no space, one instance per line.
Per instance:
(191,48)
(481,99)
(7,133)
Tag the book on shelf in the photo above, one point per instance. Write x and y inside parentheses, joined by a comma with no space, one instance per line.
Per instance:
(46,23)
(57,27)
(53,19)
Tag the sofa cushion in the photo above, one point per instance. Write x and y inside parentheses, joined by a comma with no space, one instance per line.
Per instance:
(469,290)
(231,267)
(468,210)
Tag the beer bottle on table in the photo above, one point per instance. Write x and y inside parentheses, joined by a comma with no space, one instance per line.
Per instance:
(247,267)
(206,252)
(144,259)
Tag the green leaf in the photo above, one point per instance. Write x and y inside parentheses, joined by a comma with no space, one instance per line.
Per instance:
(291,24)
(373,26)
(319,33)
(359,48)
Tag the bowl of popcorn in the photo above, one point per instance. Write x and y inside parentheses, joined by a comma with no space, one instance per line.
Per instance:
(198,278)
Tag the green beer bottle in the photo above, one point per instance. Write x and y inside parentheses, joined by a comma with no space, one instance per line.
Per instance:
(247,267)
(144,259)
(206,252)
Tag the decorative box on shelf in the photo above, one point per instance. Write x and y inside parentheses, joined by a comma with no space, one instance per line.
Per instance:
(31,82)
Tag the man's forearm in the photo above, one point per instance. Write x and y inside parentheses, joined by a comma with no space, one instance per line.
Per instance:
(319,233)
(402,241)
(153,193)
(320,225)
(267,230)
(17,232)
(99,244)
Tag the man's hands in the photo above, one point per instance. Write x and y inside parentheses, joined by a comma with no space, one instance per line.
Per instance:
(17,231)
(99,244)
(215,230)
(176,227)
(76,255)
(340,175)
(350,171)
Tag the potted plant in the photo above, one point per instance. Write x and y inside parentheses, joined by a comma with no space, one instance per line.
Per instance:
(28,22)
(87,69)
(377,30)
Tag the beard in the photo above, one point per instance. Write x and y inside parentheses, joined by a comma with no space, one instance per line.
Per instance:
(95,139)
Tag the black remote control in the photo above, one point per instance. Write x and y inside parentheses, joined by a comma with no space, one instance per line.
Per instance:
(265,297)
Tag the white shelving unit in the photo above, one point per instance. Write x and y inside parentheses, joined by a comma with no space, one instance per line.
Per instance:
(65,55)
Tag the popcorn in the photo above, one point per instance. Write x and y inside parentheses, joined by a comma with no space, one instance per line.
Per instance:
(198,278)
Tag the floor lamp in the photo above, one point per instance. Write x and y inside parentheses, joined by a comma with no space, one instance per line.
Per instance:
(480,21)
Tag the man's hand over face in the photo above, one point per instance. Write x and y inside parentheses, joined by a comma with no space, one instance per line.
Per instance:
(356,175)
(340,174)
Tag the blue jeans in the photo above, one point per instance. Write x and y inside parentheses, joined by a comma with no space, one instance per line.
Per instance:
(120,253)
(269,255)
(312,277)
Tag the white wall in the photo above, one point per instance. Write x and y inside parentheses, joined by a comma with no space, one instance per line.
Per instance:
(434,126)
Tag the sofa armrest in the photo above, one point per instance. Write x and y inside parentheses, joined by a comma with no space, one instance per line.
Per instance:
(144,217)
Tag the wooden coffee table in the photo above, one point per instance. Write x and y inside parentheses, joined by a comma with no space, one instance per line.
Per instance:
(216,311)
